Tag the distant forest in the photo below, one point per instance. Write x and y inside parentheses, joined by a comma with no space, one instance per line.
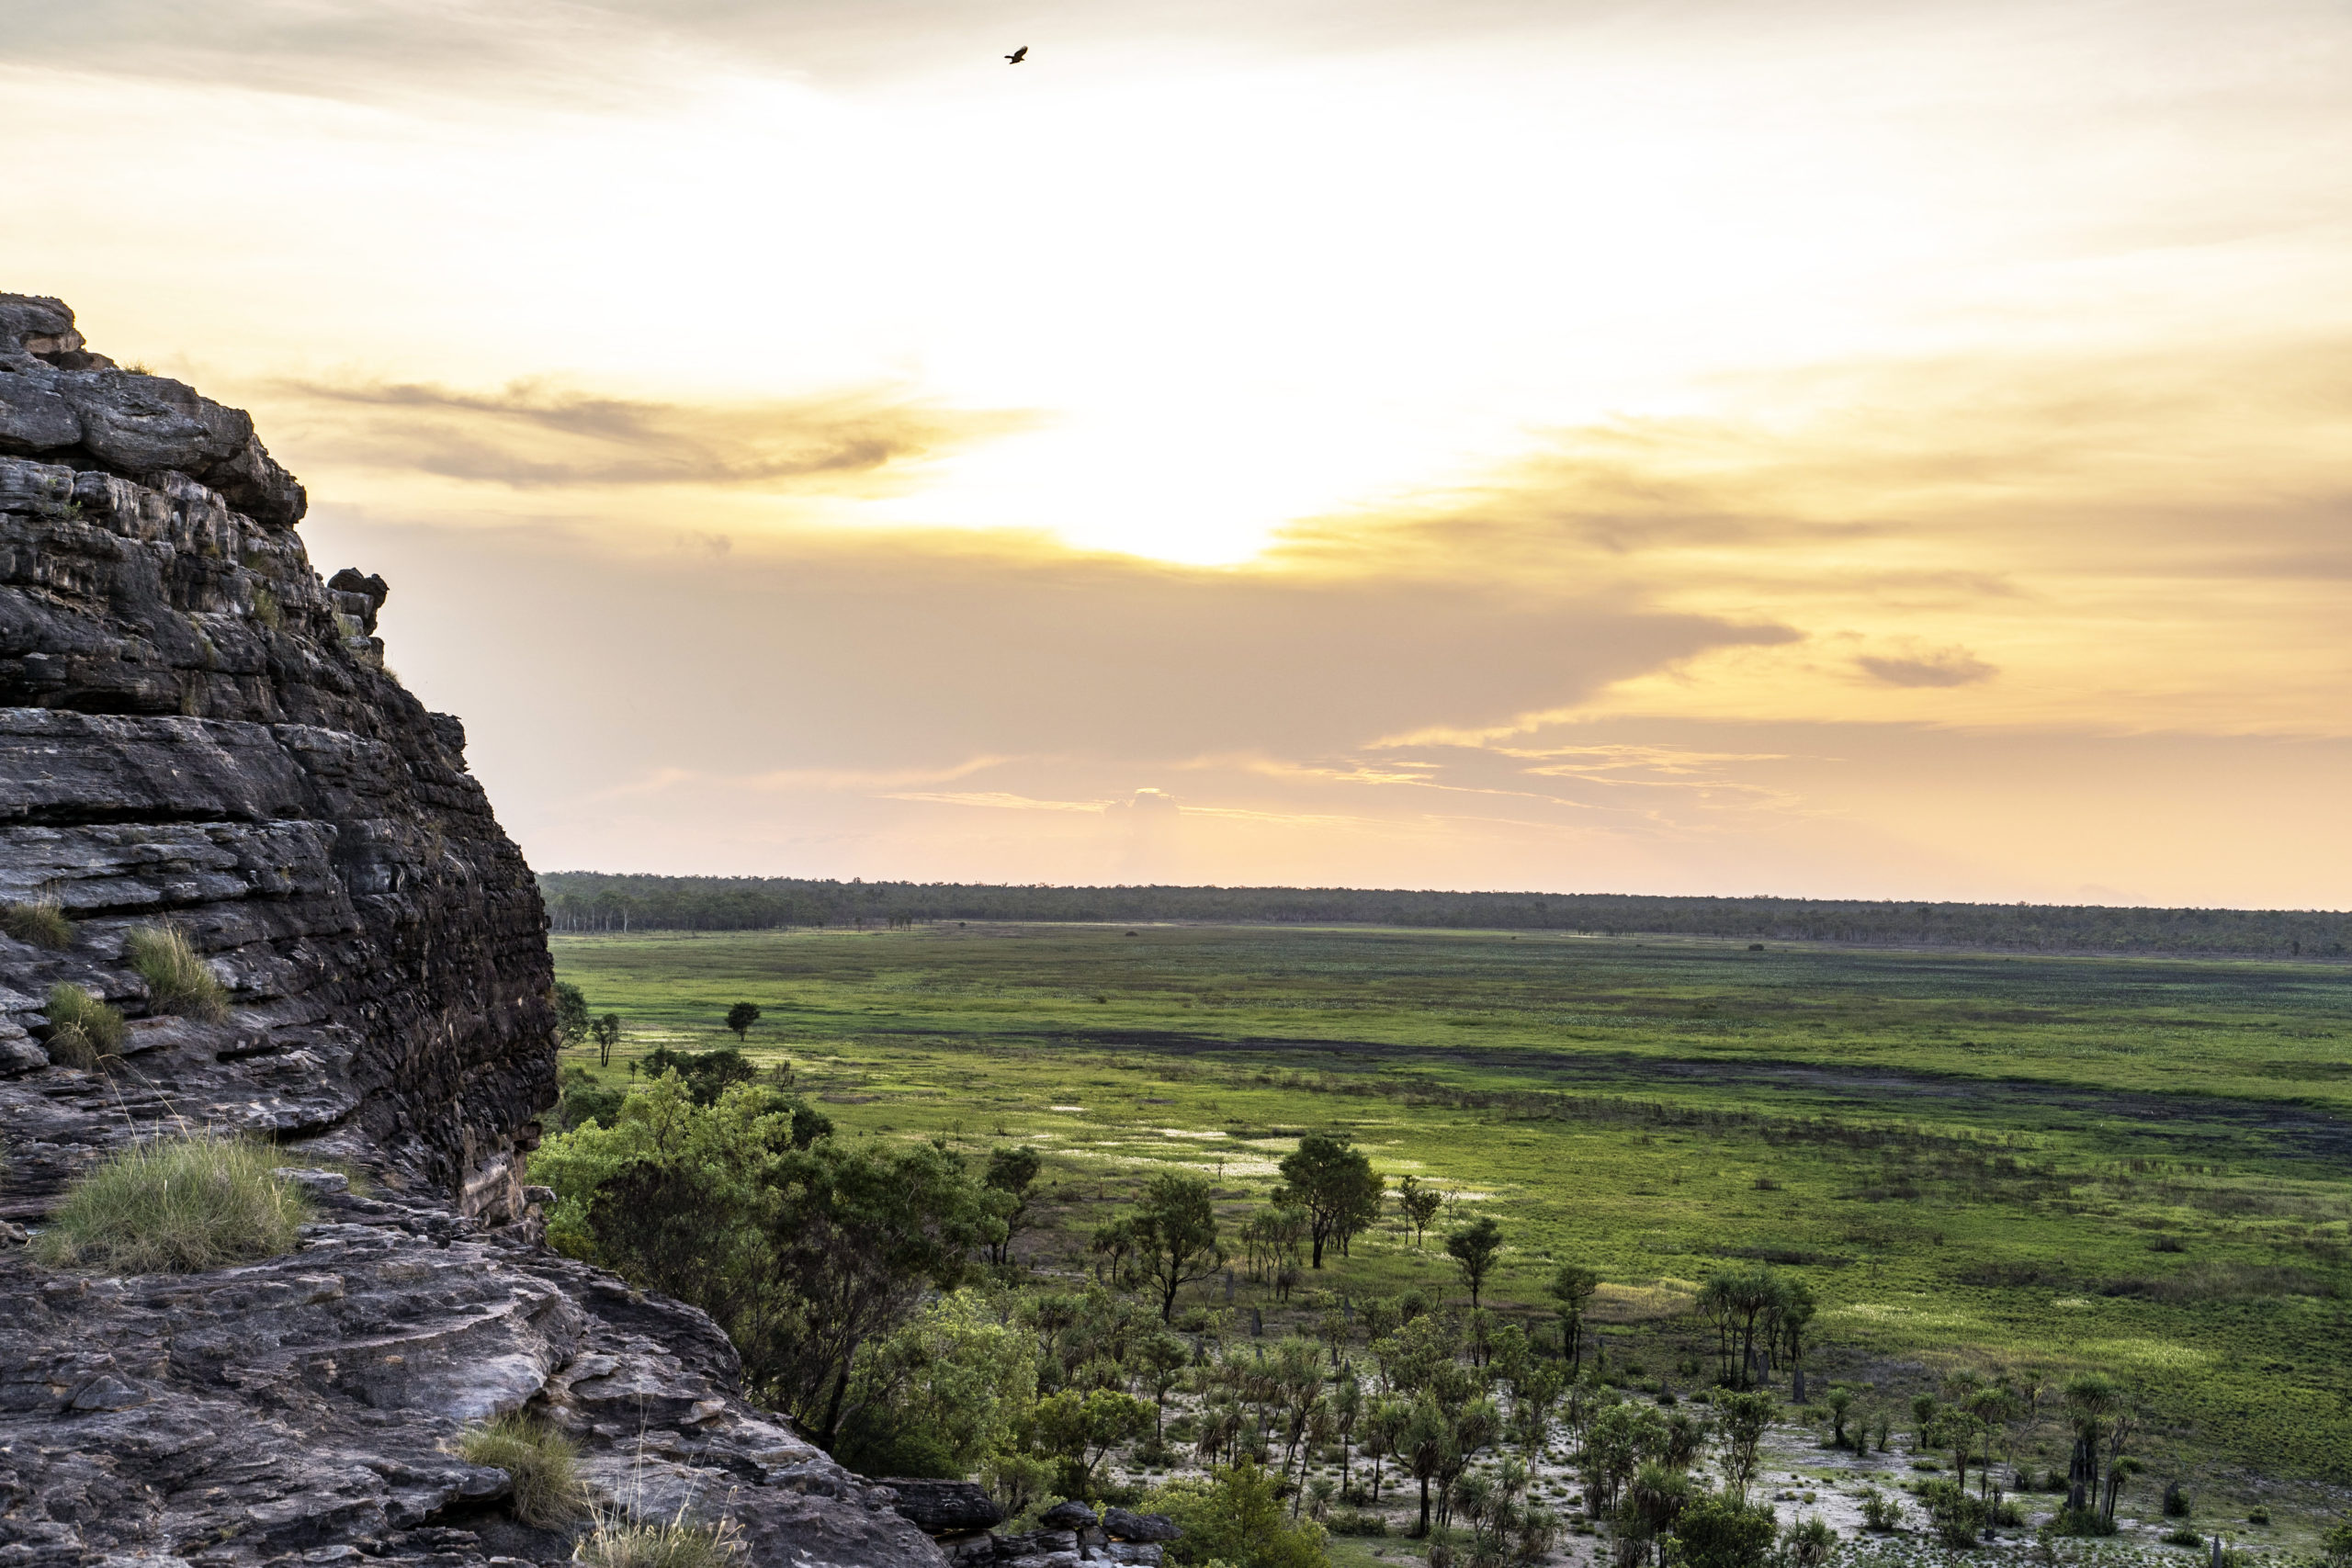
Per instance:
(596,901)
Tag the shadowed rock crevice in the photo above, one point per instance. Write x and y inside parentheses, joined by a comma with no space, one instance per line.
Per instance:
(197,731)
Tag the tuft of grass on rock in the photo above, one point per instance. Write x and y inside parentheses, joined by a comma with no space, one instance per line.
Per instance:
(178,979)
(541,1462)
(615,1542)
(82,1031)
(176,1205)
(41,922)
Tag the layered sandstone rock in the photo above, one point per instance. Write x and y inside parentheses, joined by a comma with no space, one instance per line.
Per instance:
(197,730)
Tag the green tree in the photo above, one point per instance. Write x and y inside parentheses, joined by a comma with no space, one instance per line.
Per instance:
(607,1033)
(940,1394)
(1013,1172)
(802,1252)
(1473,1249)
(1237,1518)
(1425,1448)
(1573,1286)
(1743,1419)
(1791,1323)
(1333,1181)
(1079,1430)
(1718,1531)
(740,1016)
(1159,1361)
(1840,1401)
(708,1074)
(1175,1235)
(570,1014)
(1418,1204)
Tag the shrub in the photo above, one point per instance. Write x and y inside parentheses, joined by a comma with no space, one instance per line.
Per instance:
(2176,1501)
(1717,1532)
(2184,1535)
(1958,1518)
(2257,1515)
(585,1102)
(1357,1522)
(2082,1521)
(42,923)
(708,1074)
(1237,1518)
(1880,1512)
(178,980)
(615,1542)
(82,1031)
(2335,1546)
(537,1458)
(176,1205)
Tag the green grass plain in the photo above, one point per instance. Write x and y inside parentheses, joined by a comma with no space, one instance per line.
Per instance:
(1989,1161)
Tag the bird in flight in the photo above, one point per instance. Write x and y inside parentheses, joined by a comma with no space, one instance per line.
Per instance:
(1017,56)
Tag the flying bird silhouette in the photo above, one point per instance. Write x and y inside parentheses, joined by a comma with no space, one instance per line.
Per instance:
(1017,56)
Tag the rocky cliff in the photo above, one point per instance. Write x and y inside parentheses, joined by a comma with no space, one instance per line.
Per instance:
(197,730)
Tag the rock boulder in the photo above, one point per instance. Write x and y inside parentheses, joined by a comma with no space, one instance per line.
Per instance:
(197,730)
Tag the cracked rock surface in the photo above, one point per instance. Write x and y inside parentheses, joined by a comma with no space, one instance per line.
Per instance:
(197,729)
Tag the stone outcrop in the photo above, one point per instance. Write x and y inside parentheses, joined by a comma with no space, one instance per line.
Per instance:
(197,730)
(1069,1535)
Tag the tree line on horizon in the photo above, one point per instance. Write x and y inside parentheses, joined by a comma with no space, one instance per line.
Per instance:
(600,901)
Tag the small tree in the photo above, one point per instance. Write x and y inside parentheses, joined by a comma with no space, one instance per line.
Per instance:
(1175,1235)
(1473,1249)
(1746,1417)
(1081,1430)
(1419,1204)
(740,1016)
(1333,1181)
(1013,1173)
(607,1033)
(1573,1288)
(571,1012)
(1717,1532)
(1425,1447)
(1840,1401)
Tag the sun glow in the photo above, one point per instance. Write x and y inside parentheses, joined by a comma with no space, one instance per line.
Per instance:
(1336,418)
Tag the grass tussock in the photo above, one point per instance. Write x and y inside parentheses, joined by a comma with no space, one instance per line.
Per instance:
(176,1205)
(178,979)
(42,923)
(541,1462)
(82,1031)
(615,1542)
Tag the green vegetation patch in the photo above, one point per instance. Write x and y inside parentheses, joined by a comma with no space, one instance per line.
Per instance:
(176,1205)
(540,1461)
(618,1542)
(178,979)
(82,1031)
(2020,1168)
(42,923)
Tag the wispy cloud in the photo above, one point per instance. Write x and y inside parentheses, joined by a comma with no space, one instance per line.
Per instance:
(1944,667)
(537,435)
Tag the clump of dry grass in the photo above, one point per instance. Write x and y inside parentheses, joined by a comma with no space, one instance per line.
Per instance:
(615,1542)
(539,1461)
(82,1031)
(178,979)
(179,1205)
(41,922)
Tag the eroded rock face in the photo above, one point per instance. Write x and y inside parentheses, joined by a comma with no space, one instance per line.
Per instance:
(313,1403)
(196,729)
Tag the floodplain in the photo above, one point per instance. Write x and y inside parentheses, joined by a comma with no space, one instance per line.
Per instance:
(2018,1166)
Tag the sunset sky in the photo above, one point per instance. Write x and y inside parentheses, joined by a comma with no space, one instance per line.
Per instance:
(1734,446)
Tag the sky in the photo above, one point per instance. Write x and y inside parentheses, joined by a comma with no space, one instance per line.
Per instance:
(1725,446)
